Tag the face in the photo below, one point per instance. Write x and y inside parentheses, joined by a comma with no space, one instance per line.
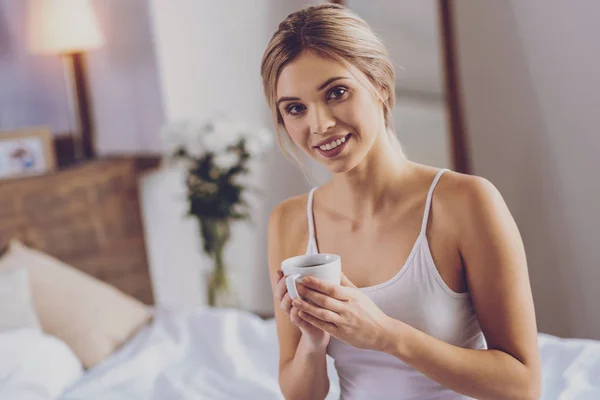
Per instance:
(327,112)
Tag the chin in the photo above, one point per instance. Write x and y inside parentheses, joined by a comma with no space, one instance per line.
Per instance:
(338,169)
(341,165)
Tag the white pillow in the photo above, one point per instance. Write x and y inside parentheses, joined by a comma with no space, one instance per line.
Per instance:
(34,365)
(92,317)
(16,302)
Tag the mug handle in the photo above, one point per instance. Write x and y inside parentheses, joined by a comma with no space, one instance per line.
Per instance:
(290,283)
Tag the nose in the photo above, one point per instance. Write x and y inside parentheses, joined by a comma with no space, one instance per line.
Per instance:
(322,120)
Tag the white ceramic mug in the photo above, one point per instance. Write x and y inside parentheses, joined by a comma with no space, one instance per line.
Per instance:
(327,267)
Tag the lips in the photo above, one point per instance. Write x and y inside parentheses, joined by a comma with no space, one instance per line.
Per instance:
(334,151)
(330,139)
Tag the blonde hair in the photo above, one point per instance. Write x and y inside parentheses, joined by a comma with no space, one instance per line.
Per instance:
(333,31)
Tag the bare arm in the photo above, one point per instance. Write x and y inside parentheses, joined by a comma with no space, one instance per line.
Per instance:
(302,366)
(498,281)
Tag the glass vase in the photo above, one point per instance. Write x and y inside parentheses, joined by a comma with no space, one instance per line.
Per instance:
(219,289)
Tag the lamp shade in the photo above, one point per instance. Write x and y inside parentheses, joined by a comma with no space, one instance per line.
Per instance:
(62,26)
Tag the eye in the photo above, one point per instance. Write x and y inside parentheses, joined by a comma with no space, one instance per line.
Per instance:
(337,93)
(294,109)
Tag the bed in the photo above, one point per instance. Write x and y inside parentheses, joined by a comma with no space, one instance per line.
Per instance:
(84,323)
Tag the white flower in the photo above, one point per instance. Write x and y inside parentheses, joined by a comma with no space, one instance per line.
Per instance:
(239,208)
(226,160)
(198,138)
(265,137)
(223,133)
(229,131)
(253,146)
(186,134)
(259,142)
(214,142)
(238,129)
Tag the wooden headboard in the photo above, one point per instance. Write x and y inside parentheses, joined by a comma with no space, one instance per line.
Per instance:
(87,216)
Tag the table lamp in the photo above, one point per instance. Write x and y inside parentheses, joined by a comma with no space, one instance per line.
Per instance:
(69,28)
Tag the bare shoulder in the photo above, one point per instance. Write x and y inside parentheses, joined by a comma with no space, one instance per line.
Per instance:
(289,212)
(461,187)
(484,227)
(469,199)
(287,228)
(493,254)
(290,209)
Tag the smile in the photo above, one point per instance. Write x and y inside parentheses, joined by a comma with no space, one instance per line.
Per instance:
(333,148)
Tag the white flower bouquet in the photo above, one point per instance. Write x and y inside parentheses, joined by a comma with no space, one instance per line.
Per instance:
(216,154)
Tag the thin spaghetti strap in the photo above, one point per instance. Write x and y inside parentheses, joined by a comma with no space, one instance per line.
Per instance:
(312,242)
(429,197)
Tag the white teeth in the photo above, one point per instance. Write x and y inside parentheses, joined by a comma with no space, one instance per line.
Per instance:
(333,144)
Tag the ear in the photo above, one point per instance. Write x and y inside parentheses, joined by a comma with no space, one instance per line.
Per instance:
(381,94)
(385,93)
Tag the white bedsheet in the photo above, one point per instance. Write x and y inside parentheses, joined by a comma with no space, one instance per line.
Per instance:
(570,368)
(35,366)
(226,354)
(194,354)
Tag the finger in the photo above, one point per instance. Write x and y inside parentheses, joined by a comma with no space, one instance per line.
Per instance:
(316,322)
(278,276)
(318,312)
(294,316)
(286,304)
(321,300)
(335,291)
(347,282)
(280,290)
(297,320)
(275,278)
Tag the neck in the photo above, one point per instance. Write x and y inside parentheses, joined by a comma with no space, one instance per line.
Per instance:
(367,189)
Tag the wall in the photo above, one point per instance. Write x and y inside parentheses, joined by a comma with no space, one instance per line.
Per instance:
(32,90)
(124,82)
(209,62)
(531,89)
(123,79)
(422,127)
(411,32)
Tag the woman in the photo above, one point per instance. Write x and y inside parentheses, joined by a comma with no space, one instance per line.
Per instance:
(435,301)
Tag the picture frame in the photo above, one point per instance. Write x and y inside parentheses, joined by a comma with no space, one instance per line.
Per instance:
(26,152)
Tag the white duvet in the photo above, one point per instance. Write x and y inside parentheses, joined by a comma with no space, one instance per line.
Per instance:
(35,366)
(195,354)
(225,354)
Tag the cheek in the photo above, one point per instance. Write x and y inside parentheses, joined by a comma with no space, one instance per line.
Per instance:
(360,114)
(371,108)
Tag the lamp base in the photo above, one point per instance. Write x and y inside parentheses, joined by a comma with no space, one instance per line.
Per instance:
(83,137)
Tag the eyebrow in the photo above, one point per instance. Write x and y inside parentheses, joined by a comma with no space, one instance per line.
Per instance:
(321,87)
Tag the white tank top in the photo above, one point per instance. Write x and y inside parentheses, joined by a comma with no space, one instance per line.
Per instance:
(418,296)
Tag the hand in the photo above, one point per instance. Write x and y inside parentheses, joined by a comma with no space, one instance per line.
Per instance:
(316,338)
(344,312)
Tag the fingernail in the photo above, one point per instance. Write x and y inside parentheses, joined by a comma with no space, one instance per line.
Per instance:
(297,303)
